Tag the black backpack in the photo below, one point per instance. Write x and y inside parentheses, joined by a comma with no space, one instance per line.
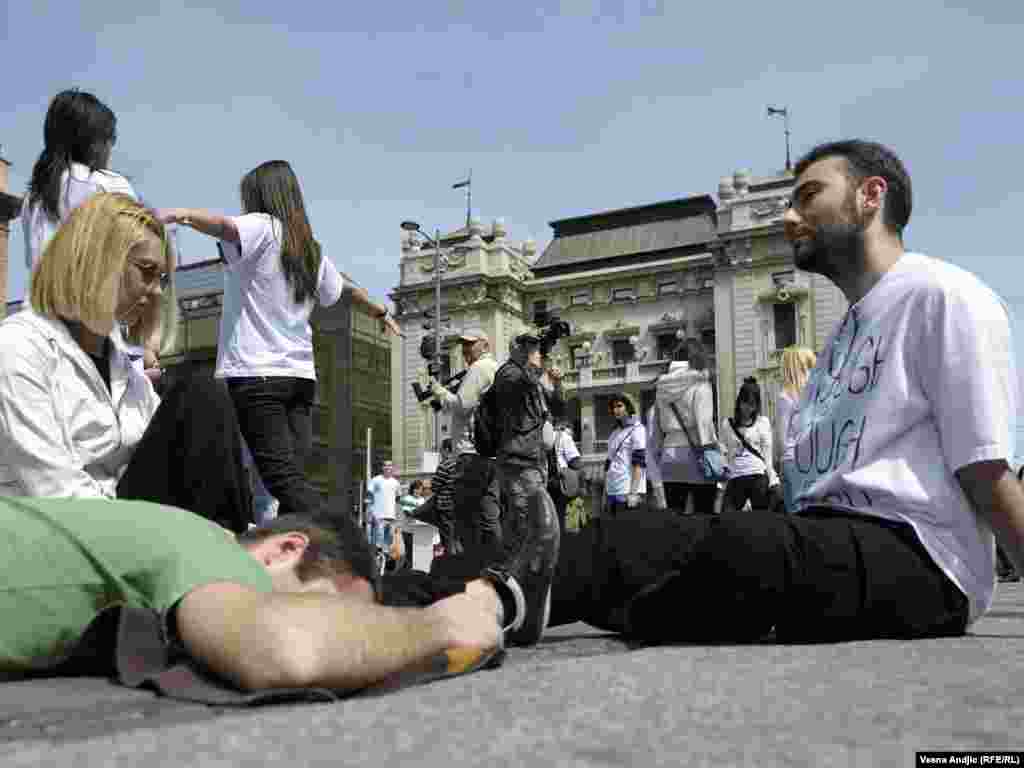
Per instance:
(487,421)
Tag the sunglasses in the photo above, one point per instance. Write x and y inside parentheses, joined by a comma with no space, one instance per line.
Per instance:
(150,273)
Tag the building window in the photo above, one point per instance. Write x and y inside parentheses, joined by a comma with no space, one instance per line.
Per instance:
(623,294)
(579,358)
(668,287)
(785,325)
(707,338)
(667,343)
(604,422)
(622,351)
(580,298)
(540,312)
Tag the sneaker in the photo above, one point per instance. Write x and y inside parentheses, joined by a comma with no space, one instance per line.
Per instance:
(523,580)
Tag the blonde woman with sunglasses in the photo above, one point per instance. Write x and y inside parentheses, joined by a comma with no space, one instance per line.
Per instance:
(77,417)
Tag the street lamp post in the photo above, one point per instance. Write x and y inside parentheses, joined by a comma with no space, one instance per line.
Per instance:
(439,263)
(782,112)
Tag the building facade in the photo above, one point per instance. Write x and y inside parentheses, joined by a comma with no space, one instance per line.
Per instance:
(632,283)
(482,286)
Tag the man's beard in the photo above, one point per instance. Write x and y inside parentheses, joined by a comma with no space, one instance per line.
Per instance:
(834,247)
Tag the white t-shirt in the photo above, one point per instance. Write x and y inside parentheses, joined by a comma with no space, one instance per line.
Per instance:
(263,332)
(784,405)
(385,493)
(917,382)
(621,444)
(565,449)
(743,463)
(75,188)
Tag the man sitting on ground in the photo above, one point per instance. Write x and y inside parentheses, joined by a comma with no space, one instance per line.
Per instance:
(902,440)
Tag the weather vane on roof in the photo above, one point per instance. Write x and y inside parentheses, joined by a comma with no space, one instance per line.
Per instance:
(782,112)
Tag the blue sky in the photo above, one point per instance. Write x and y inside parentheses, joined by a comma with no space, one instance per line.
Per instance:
(560,108)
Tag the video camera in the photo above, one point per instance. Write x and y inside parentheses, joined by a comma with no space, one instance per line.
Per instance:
(452,383)
(552,328)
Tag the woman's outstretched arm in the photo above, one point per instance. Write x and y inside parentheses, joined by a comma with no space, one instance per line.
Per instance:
(207,222)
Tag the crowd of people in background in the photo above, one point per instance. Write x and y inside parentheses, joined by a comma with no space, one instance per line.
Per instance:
(883,523)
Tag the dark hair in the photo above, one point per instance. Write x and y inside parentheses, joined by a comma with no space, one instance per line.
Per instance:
(620,397)
(750,392)
(336,545)
(868,158)
(692,351)
(273,188)
(77,128)
(415,486)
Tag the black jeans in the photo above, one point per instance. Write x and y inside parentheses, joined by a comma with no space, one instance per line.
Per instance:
(477,513)
(739,489)
(275,415)
(704,495)
(817,576)
(191,456)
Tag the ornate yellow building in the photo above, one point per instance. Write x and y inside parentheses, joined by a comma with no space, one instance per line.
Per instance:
(631,282)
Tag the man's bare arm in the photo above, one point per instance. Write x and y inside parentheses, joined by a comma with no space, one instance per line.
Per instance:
(260,640)
(998,497)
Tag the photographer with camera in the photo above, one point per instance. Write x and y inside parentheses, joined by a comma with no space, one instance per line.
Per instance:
(528,399)
(474,480)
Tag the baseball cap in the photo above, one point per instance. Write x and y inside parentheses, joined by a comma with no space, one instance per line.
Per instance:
(473,334)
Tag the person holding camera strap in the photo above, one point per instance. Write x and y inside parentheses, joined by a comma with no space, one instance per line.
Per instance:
(477,510)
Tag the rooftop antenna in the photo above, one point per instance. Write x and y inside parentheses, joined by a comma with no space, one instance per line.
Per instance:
(783,112)
(468,184)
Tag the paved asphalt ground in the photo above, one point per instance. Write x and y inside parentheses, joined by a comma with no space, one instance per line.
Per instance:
(581,698)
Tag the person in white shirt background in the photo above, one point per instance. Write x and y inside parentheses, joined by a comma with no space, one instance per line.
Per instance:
(751,474)
(797,363)
(383,491)
(566,457)
(275,276)
(79,134)
(625,480)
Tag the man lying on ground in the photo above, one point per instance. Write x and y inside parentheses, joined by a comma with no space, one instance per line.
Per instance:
(289,604)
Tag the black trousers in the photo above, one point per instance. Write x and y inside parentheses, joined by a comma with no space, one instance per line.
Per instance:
(561,502)
(275,415)
(817,576)
(477,511)
(676,495)
(748,487)
(191,456)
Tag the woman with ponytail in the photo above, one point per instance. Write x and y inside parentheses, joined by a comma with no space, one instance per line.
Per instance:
(79,133)
(274,276)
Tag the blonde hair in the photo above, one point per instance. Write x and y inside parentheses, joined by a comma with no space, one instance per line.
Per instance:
(797,363)
(78,277)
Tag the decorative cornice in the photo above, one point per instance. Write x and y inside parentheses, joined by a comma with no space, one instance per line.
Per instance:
(670,326)
(582,336)
(783,295)
(623,332)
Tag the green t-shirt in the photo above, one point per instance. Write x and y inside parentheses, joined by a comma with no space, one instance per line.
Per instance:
(62,561)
